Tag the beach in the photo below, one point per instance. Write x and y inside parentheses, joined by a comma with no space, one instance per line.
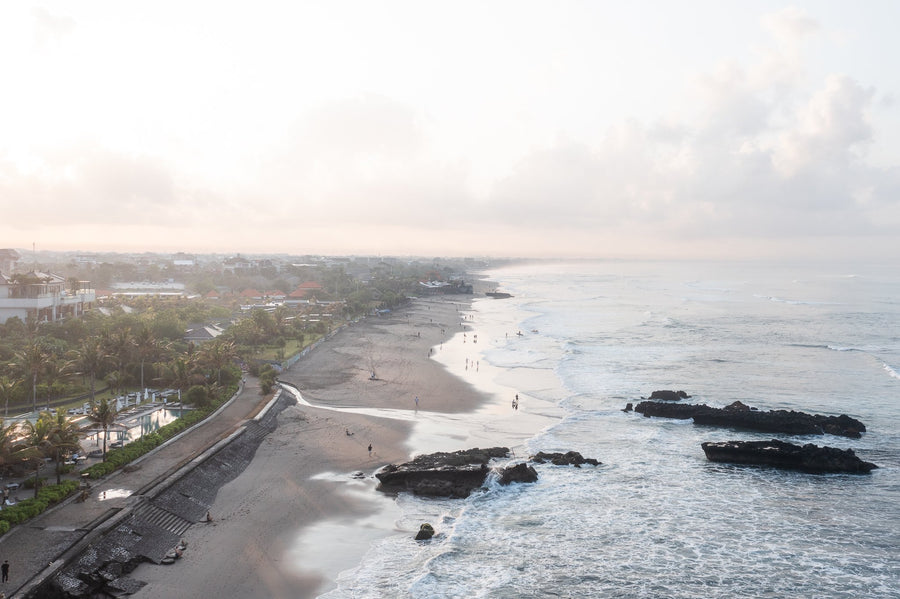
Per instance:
(302,474)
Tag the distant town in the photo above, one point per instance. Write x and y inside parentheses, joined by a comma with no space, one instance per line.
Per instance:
(266,308)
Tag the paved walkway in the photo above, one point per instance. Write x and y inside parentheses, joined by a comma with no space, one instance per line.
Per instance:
(38,547)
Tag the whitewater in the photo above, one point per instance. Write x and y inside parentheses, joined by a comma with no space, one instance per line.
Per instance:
(657,519)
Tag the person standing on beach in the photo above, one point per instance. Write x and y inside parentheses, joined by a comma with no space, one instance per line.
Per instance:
(4,569)
(370,450)
(417,402)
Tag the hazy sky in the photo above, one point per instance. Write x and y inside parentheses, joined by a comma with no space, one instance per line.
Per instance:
(521,128)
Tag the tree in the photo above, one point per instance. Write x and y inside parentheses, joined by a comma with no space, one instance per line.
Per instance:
(8,389)
(147,346)
(30,361)
(89,359)
(58,435)
(13,447)
(104,415)
(198,395)
(182,373)
(217,355)
(54,372)
(119,345)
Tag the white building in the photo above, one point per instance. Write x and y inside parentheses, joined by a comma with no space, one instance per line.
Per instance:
(43,297)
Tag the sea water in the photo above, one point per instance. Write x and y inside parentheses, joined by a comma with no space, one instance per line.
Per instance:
(656,519)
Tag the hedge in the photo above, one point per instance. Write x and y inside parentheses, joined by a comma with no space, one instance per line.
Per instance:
(29,508)
(116,458)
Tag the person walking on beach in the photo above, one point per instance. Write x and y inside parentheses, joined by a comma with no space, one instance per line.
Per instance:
(4,569)
(370,450)
(417,402)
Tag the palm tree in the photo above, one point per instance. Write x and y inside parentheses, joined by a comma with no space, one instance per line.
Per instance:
(7,392)
(182,373)
(14,447)
(31,361)
(56,435)
(104,415)
(89,359)
(148,348)
(54,371)
(218,354)
(119,345)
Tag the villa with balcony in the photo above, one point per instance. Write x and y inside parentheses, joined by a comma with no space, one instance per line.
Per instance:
(43,297)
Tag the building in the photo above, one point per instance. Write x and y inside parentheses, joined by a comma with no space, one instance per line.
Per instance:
(8,259)
(43,297)
(202,333)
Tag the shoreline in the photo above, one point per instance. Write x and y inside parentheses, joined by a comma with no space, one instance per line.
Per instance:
(262,536)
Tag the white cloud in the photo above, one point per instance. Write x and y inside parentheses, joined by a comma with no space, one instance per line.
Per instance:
(348,132)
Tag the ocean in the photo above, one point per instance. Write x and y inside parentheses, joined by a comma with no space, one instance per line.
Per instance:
(656,519)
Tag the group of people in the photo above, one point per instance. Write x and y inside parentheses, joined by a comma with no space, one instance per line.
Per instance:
(515,402)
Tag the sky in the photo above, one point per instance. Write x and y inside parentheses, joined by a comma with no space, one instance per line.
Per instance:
(593,129)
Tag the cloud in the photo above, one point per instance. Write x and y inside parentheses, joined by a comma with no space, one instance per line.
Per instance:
(790,25)
(49,29)
(83,184)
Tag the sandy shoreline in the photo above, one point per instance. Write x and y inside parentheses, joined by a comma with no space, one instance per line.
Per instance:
(251,547)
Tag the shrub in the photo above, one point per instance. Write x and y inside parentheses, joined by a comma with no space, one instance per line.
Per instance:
(30,508)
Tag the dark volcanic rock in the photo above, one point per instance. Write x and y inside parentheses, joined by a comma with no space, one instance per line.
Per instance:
(667,395)
(441,474)
(520,473)
(682,411)
(426,531)
(809,457)
(739,415)
(570,458)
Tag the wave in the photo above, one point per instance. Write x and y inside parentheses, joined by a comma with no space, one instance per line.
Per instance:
(791,302)
(893,373)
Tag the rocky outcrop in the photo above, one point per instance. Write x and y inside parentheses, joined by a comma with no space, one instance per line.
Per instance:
(441,474)
(570,458)
(739,415)
(667,395)
(808,458)
(520,473)
(426,531)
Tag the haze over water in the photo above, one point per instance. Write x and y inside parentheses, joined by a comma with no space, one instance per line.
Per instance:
(656,519)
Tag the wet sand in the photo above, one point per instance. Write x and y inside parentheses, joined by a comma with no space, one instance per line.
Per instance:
(301,473)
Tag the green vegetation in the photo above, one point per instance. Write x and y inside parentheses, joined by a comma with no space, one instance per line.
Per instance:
(140,342)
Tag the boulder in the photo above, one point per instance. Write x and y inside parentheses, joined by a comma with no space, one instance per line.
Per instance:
(739,415)
(520,473)
(426,531)
(668,395)
(440,474)
(570,458)
(808,458)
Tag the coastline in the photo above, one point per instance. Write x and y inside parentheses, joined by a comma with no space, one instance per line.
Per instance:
(300,475)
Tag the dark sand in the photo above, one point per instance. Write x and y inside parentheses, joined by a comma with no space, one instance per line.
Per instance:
(250,549)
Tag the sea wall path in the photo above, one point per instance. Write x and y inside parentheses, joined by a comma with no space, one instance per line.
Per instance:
(42,547)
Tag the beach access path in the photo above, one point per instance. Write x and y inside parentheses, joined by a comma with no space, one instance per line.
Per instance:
(37,548)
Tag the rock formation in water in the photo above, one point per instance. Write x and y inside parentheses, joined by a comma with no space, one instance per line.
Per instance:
(739,415)
(570,458)
(440,474)
(808,458)
(426,531)
(668,395)
(520,473)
